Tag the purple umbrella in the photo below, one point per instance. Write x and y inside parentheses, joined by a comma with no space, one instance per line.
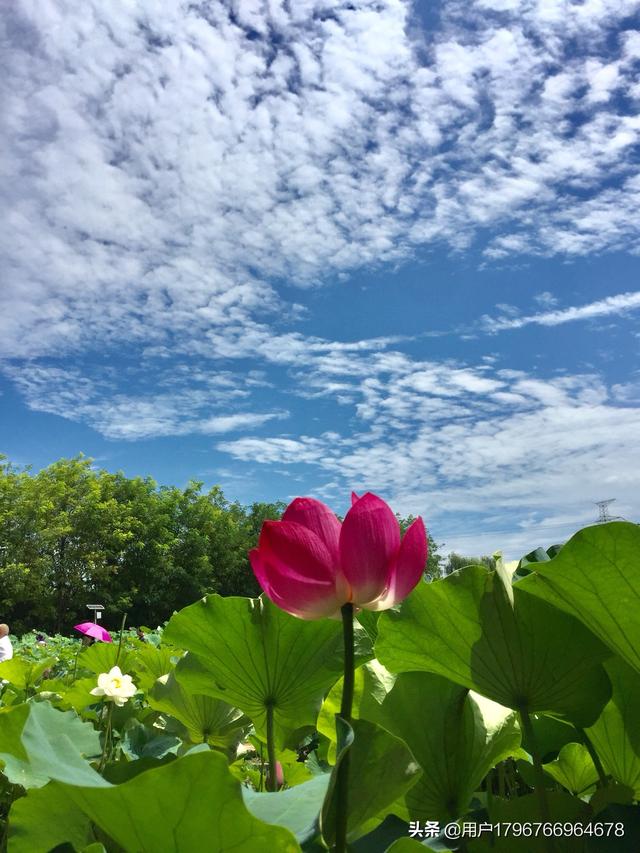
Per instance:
(90,629)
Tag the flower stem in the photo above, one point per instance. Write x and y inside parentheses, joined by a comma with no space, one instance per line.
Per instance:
(106,746)
(272,783)
(342,781)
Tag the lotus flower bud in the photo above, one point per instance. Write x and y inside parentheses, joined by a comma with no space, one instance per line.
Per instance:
(310,565)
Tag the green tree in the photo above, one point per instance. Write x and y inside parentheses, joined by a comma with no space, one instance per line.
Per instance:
(59,530)
(19,589)
(457,561)
(433,566)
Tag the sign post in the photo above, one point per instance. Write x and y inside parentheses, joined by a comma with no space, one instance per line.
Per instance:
(97,611)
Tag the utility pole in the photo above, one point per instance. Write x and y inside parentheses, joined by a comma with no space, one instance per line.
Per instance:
(603,511)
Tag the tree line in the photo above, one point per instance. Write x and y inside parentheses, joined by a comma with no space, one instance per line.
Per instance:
(72,535)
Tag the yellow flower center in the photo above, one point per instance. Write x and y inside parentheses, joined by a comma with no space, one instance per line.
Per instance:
(116,683)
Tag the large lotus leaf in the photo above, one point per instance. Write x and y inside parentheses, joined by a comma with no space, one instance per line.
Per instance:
(252,654)
(474,628)
(382,770)
(193,803)
(140,741)
(23,673)
(77,695)
(207,719)
(549,736)
(616,734)
(152,663)
(596,577)
(39,743)
(456,736)
(123,770)
(540,555)
(296,808)
(46,819)
(372,683)
(573,768)
(369,621)
(101,657)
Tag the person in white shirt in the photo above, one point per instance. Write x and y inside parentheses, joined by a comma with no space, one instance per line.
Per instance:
(6,649)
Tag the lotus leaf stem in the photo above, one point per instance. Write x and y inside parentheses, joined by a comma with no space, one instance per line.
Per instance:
(538,771)
(272,784)
(602,776)
(124,619)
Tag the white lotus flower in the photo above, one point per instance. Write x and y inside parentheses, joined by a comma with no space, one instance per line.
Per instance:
(114,686)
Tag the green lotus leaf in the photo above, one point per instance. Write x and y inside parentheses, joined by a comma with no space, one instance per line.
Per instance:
(140,741)
(251,654)
(372,683)
(477,630)
(616,733)
(296,808)
(101,657)
(77,695)
(456,736)
(39,743)
(207,719)
(549,736)
(382,770)
(123,770)
(596,578)
(23,673)
(152,663)
(190,804)
(573,768)
(47,819)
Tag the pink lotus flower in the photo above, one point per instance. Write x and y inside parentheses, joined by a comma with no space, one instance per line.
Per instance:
(310,565)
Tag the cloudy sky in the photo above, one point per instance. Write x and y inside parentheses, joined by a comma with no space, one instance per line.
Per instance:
(303,246)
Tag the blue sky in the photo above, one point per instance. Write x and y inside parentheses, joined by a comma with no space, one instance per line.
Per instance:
(300,248)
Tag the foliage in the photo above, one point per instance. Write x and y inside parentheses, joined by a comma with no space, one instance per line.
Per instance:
(491,697)
(434,568)
(458,561)
(71,535)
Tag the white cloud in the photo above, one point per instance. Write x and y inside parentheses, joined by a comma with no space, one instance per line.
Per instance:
(165,163)
(189,402)
(497,445)
(168,167)
(617,305)
(546,299)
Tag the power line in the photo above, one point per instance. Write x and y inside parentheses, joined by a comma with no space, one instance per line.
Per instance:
(537,528)
(571,524)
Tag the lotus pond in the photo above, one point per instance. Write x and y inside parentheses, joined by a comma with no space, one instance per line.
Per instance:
(485,700)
